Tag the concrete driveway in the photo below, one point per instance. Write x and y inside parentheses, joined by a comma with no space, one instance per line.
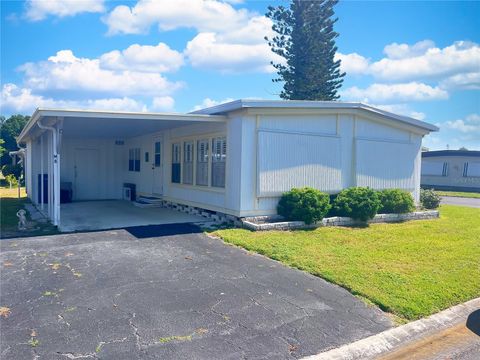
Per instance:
(144,293)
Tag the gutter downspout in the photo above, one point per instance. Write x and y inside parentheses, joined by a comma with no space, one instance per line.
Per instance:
(56,172)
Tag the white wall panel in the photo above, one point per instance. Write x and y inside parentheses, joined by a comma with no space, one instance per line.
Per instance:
(374,130)
(383,164)
(320,124)
(107,179)
(287,160)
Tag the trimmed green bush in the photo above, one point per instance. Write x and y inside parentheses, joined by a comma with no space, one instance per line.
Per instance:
(429,199)
(305,204)
(360,203)
(395,201)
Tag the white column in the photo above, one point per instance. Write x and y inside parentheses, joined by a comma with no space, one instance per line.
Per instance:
(56,181)
(41,172)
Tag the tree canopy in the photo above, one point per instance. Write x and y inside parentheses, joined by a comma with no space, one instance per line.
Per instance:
(9,130)
(306,40)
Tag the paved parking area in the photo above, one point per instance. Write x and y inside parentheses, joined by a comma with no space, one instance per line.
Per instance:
(460,201)
(148,294)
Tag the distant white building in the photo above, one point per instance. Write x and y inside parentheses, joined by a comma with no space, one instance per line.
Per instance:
(451,170)
(236,158)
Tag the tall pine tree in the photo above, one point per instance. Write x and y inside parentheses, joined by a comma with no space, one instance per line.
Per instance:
(306,40)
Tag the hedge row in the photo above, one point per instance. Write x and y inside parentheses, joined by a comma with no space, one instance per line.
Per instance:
(361,203)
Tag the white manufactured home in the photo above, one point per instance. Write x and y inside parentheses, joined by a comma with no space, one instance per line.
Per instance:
(233,159)
(451,170)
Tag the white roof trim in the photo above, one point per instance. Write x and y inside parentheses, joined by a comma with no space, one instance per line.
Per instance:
(64,113)
(304,104)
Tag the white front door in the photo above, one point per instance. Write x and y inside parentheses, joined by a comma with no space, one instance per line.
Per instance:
(86,169)
(157,167)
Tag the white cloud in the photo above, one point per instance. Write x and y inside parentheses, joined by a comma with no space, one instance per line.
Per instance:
(15,99)
(207,52)
(144,58)
(461,57)
(67,73)
(403,51)
(353,63)
(227,40)
(467,81)
(386,93)
(203,15)
(37,10)
(454,67)
(207,102)
(457,133)
(164,103)
(469,125)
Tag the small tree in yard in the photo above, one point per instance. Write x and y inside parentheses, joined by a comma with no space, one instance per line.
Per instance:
(306,40)
(12,180)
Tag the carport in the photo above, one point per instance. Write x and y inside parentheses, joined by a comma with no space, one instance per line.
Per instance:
(78,163)
(113,214)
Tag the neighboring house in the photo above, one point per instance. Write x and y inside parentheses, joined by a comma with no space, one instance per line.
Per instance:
(236,158)
(451,170)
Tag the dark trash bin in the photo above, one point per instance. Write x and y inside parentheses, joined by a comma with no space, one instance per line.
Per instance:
(66,192)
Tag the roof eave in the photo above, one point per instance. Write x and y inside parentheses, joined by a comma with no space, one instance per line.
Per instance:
(244,104)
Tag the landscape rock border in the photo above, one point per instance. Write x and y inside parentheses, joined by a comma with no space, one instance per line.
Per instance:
(263,223)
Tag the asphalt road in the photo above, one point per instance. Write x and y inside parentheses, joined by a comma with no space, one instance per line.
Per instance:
(461,201)
(457,342)
(150,294)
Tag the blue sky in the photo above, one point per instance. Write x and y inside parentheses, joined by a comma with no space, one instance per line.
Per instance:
(420,59)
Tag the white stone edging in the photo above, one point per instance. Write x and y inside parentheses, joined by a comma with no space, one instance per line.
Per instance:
(392,339)
(252,222)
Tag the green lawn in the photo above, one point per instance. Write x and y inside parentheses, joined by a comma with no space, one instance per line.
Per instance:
(410,269)
(9,205)
(474,195)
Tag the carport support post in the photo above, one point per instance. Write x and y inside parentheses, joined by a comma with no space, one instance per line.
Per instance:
(41,171)
(56,172)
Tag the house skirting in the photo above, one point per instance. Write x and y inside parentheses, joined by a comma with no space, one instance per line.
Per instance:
(216,216)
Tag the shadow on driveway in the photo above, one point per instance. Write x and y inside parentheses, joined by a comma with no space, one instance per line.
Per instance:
(149,231)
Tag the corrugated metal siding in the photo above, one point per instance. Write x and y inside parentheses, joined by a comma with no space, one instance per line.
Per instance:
(315,124)
(381,164)
(375,131)
(287,160)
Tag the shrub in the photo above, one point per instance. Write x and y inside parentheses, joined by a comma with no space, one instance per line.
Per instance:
(429,199)
(395,201)
(360,203)
(305,204)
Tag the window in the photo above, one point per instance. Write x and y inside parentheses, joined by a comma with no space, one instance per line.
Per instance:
(176,170)
(471,169)
(445,169)
(147,157)
(202,162)
(219,155)
(157,153)
(188,162)
(434,168)
(134,159)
